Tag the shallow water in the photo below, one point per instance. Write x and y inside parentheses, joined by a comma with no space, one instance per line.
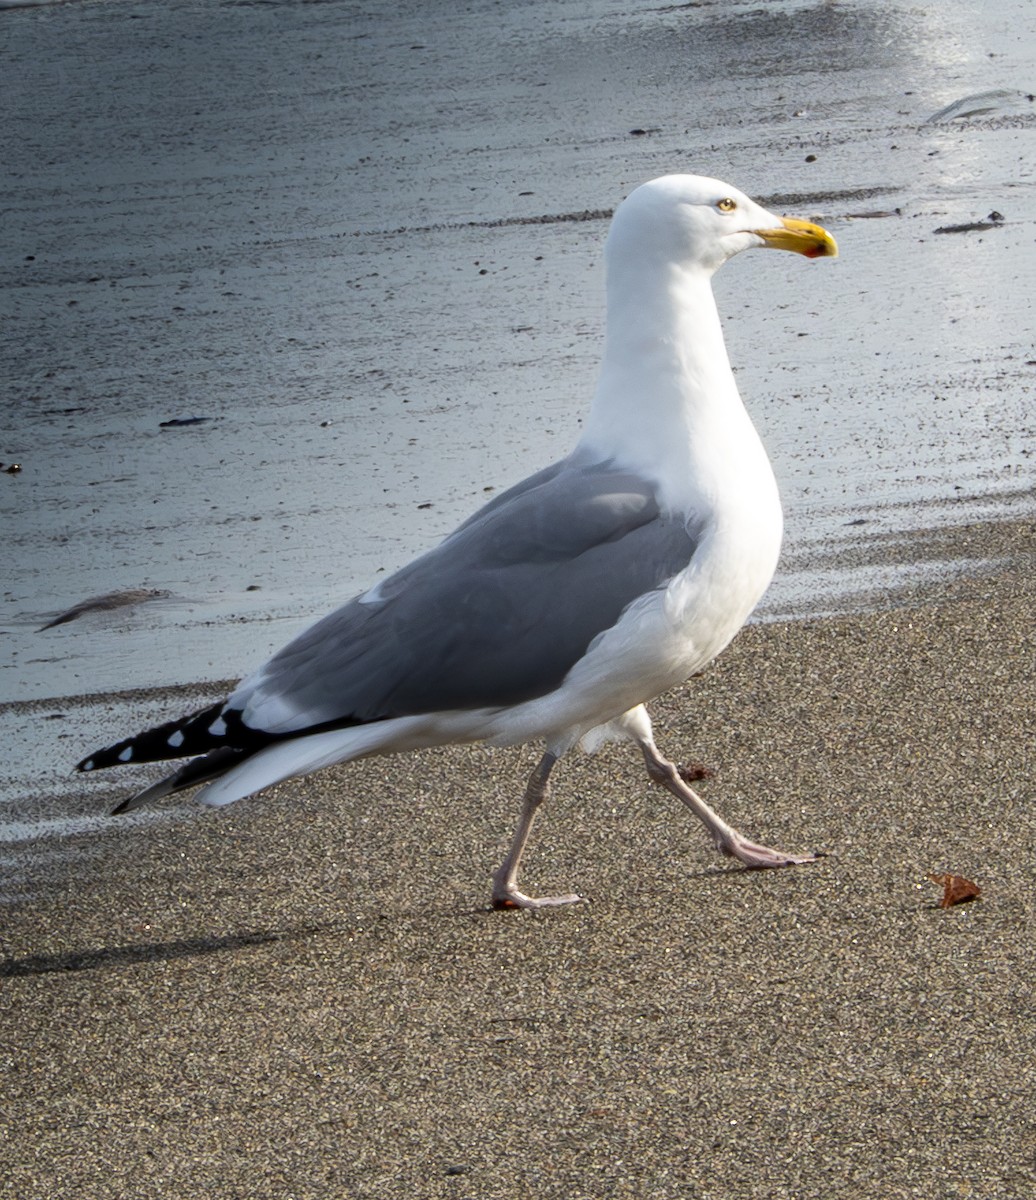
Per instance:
(358,242)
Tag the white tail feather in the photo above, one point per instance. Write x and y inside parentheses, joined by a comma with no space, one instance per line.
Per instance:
(300,756)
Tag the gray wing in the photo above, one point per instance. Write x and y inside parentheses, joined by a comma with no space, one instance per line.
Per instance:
(495,615)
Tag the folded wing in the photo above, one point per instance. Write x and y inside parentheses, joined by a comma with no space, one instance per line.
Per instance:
(495,615)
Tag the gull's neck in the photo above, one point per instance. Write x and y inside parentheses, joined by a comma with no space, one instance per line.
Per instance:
(667,404)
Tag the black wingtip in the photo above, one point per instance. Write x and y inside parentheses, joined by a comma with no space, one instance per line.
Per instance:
(155,792)
(184,738)
(199,770)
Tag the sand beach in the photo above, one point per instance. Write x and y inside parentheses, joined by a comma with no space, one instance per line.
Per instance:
(307,994)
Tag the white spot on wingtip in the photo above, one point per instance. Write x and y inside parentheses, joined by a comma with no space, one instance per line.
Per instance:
(126,754)
(218,727)
(88,765)
(175,739)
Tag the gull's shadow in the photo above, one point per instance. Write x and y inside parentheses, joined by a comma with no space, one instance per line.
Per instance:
(121,956)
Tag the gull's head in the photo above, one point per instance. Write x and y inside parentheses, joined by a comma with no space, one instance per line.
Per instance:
(695,222)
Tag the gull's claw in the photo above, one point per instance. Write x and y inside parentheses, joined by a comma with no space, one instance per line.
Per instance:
(505,897)
(753,855)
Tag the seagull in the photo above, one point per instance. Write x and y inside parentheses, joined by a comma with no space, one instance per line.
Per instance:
(556,611)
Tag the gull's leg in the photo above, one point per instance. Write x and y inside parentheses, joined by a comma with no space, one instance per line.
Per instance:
(505,881)
(725,838)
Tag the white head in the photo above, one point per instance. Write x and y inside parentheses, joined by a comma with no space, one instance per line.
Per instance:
(691,221)
(666,390)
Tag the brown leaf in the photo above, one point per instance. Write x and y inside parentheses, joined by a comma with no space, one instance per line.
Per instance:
(692,772)
(956,889)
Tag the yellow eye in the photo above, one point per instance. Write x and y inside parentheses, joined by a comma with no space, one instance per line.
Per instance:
(726,205)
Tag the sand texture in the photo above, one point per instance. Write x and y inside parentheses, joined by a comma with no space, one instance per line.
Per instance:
(306,995)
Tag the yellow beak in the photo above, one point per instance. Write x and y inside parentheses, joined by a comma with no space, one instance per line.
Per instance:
(801,236)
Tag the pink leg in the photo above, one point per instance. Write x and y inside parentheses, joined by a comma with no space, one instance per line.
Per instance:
(725,838)
(505,881)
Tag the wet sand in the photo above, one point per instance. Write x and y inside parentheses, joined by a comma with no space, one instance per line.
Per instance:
(306,995)
(363,245)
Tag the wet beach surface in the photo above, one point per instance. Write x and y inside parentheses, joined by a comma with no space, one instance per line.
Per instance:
(289,289)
